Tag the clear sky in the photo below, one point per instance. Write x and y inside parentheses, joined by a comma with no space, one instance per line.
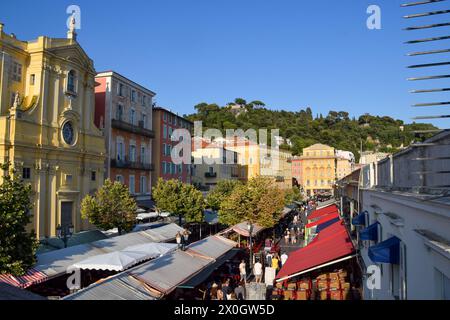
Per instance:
(288,53)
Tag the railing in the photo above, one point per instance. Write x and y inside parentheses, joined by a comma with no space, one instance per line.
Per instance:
(132,165)
(139,129)
(210,174)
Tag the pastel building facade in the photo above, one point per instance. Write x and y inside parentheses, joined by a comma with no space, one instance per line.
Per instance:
(165,122)
(47,128)
(123,109)
(318,169)
(213,163)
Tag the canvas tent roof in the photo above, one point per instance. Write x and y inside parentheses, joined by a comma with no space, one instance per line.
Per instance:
(331,245)
(57,262)
(8,292)
(120,287)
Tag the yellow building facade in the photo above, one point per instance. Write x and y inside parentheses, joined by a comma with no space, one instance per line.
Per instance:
(212,164)
(318,169)
(47,130)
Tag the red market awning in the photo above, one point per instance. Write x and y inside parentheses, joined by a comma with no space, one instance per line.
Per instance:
(323,212)
(331,246)
(323,219)
(30,278)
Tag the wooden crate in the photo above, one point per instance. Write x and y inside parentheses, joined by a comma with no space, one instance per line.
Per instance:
(322,284)
(334,276)
(288,295)
(292,286)
(335,284)
(323,276)
(323,295)
(303,295)
(336,295)
(304,285)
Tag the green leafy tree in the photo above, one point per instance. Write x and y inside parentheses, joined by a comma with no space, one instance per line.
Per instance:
(221,192)
(17,245)
(111,207)
(258,201)
(292,195)
(181,199)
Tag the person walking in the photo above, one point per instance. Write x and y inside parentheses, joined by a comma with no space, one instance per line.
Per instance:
(178,238)
(240,291)
(286,236)
(284,258)
(258,271)
(275,262)
(243,271)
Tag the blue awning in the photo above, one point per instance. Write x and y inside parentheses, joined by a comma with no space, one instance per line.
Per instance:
(325,225)
(386,252)
(370,233)
(360,219)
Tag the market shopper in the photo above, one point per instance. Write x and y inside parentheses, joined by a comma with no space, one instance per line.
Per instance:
(284,258)
(179,239)
(243,271)
(286,236)
(240,291)
(258,271)
(275,262)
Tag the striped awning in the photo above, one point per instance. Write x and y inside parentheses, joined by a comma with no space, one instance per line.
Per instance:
(31,277)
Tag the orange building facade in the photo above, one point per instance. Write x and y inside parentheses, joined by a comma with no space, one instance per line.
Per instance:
(124,110)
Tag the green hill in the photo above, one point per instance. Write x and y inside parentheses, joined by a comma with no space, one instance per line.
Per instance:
(336,129)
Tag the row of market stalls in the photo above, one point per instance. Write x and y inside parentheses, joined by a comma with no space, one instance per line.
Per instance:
(326,267)
(49,275)
(158,278)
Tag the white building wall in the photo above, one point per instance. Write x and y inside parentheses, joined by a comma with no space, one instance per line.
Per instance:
(422,262)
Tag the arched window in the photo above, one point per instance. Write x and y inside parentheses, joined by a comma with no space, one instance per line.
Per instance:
(71,81)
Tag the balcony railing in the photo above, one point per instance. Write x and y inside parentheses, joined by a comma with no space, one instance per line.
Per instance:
(210,174)
(139,129)
(126,164)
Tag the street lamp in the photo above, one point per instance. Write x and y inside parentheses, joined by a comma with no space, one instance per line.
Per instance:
(65,233)
(250,232)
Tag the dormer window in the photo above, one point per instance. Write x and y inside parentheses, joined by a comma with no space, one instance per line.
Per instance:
(71,81)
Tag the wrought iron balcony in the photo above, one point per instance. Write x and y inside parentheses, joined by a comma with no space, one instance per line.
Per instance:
(210,174)
(126,164)
(139,129)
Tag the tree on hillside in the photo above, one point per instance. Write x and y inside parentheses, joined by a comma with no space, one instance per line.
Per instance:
(220,193)
(112,206)
(181,199)
(17,246)
(258,201)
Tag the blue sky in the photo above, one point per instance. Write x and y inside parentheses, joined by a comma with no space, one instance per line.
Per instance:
(288,53)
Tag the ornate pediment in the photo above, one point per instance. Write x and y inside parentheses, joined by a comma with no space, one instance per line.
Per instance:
(75,54)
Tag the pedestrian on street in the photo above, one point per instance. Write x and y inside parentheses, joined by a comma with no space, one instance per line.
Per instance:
(269,259)
(284,258)
(178,238)
(243,271)
(286,236)
(275,262)
(258,271)
(240,291)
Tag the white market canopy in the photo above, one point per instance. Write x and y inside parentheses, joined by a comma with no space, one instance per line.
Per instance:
(147,215)
(126,258)
(114,261)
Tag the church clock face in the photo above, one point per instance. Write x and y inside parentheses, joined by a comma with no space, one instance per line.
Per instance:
(68,133)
